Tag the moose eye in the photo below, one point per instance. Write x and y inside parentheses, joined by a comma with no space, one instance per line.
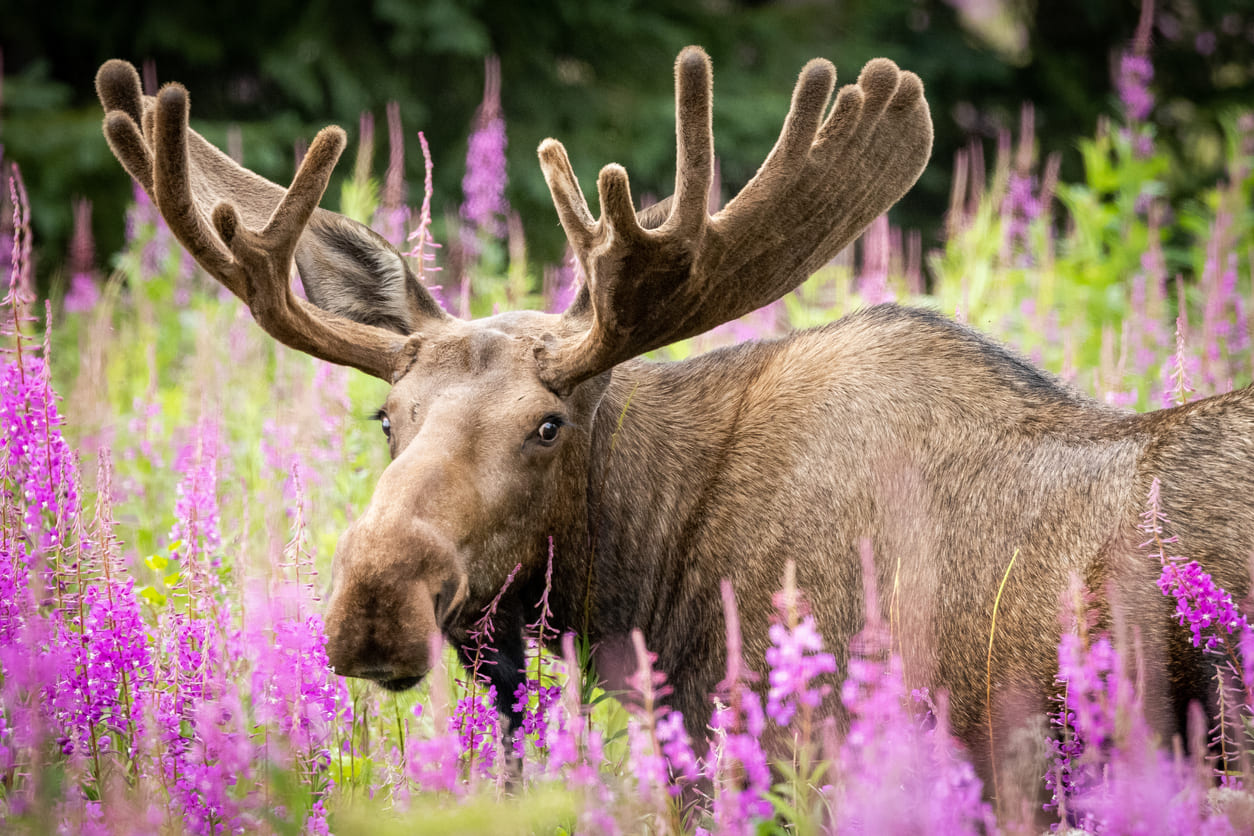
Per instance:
(548,430)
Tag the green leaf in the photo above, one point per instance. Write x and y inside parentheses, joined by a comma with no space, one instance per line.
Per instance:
(152,596)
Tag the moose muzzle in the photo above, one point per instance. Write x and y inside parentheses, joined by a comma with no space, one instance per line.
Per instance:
(391,590)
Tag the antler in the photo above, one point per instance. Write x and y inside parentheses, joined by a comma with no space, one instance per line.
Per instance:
(259,226)
(823,182)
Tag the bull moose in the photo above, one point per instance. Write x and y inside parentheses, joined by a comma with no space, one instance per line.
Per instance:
(657,480)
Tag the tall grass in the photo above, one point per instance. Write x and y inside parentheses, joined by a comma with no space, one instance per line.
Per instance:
(172,484)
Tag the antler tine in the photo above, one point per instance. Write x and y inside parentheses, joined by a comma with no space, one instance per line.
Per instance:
(117,85)
(694,140)
(822,183)
(693,177)
(128,145)
(254,265)
(173,188)
(809,101)
(568,199)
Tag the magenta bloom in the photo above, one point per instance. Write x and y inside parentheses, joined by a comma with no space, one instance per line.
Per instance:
(485,206)
(1201,605)
(36,460)
(1135,74)
(737,764)
(797,659)
(84,291)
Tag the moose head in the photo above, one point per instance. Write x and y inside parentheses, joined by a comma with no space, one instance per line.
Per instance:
(491,423)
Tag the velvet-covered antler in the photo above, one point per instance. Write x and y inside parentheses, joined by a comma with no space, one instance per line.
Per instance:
(245,230)
(822,184)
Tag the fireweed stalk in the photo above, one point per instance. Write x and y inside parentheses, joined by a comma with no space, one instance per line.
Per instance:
(84,291)
(200,753)
(1109,774)
(475,717)
(736,764)
(424,243)
(433,761)
(661,751)
(1105,759)
(392,216)
(484,207)
(71,672)
(1216,625)
(797,660)
(295,696)
(537,695)
(577,750)
(895,774)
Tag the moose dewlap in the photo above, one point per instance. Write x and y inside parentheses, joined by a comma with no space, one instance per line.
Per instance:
(656,481)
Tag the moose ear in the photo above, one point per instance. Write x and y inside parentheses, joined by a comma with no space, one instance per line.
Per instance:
(350,270)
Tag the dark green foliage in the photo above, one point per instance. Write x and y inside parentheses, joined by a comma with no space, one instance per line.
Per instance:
(594,74)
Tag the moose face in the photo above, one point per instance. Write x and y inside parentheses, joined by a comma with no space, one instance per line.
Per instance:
(481,449)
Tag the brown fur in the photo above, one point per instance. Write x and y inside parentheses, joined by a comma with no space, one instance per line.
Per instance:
(947,453)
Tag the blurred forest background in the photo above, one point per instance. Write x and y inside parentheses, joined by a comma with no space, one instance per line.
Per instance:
(264,76)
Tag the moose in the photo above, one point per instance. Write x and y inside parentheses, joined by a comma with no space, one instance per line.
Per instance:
(656,481)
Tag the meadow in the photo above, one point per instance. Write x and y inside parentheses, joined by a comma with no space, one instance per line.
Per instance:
(172,484)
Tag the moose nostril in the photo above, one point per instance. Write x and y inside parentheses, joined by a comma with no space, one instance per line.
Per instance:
(448,599)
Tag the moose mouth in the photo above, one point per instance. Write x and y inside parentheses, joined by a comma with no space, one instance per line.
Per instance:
(403,683)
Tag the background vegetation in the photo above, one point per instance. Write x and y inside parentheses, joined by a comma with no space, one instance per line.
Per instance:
(595,75)
(172,482)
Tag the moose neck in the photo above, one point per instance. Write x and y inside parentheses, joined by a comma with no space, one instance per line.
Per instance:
(660,441)
(687,460)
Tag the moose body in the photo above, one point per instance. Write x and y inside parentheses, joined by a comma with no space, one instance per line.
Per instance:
(944,451)
(893,427)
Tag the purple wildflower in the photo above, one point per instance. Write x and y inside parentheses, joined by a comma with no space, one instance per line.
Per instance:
(1204,607)
(106,670)
(485,207)
(876,255)
(35,460)
(736,764)
(1180,383)
(537,713)
(84,290)
(424,243)
(662,756)
(797,659)
(475,717)
(147,231)
(213,779)
(433,763)
(364,161)
(1108,775)
(896,775)
(293,690)
(477,725)
(562,283)
(1200,603)
(21,293)
(1135,74)
(195,536)
(575,746)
